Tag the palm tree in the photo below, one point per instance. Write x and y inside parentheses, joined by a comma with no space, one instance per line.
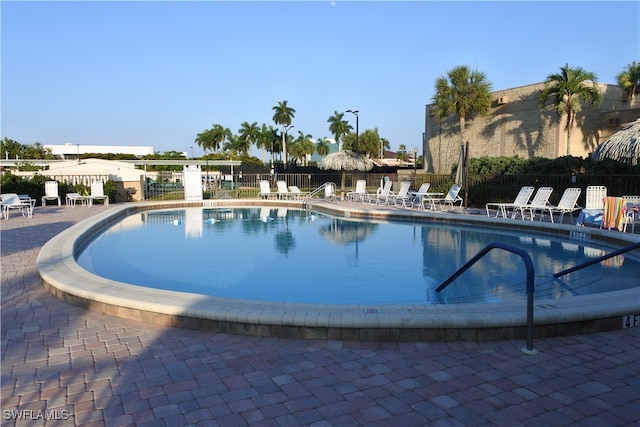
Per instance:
(338,126)
(282,116)
(461,93)
(570,88)
(205,140)
(322,147)
(305,146)
(629,80)
(248,133)
(219,134)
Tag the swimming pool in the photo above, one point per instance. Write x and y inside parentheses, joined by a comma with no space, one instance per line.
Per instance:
(298,256)
(64,278)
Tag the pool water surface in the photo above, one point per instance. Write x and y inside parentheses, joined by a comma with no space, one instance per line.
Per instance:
(291,255)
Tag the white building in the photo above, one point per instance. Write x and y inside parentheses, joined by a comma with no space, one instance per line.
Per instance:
(71,151)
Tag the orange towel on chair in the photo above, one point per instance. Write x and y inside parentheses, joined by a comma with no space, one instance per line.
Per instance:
(613,215)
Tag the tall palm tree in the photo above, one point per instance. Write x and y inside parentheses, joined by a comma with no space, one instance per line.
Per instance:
(282,116)
(263,141)
(219,134)
(248,133)
(570,88)
(338,126)
(629,79)
(205,140)
(322,147)
(462,92)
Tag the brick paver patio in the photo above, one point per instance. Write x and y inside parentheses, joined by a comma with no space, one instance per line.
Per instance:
(78,367)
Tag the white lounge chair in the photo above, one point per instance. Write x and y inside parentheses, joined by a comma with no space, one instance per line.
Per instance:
(12,201)
(51,192)
(295,192)
(521,200)
(593,205)
(381,195)
(359,192)
(283,191)
(568,203)
(451,198)
(403,195)
(539,203)
(265,190)
(417,198)
(97,193)
(632,213)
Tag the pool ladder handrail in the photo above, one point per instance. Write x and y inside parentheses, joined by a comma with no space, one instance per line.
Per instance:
(529,287)
(307,198)
(597,260)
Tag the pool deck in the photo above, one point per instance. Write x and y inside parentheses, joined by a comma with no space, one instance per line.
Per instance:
(62,361)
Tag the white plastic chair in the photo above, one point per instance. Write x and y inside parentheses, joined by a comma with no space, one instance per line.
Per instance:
(265,190)
(283,191)
(359,192)
(521,200)
(568,203)
(539,203)
(12,201)
(451,198)
(97,193)
(51,192)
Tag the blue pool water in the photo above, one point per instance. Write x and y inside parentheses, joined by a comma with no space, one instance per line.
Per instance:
(291,255)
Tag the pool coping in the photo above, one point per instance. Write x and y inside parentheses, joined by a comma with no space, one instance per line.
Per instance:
(64,278)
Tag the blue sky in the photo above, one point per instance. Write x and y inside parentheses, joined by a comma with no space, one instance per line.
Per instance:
(159,73)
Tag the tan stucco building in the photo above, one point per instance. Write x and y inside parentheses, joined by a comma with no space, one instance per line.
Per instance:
(517,127)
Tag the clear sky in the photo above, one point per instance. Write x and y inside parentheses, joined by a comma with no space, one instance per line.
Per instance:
(159,73)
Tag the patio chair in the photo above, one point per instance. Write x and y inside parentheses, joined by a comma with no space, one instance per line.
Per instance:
(568,204)
(295,192)
(12,201)
(593,206)
(283,191)
(418,196)
(72,199)
(632,212)
(265,190)
(403,195)
(451,198)
(539,203)
(521,200)
(380,196)
(51,192)
(97,193)
(359,192)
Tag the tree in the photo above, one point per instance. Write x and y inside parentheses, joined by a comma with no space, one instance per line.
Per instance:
(462,92)
(304,147)
(205,140)
(219,135)
(402,153)
(338,126)
(282,116)
(569,89)
(629,80)
(322,147)
(248,133)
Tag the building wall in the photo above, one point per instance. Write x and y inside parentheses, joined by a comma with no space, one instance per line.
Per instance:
(517,127)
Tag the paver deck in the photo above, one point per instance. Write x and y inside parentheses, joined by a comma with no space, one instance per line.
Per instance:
(79,367)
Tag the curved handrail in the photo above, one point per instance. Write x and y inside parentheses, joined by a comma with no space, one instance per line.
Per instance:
(530,287)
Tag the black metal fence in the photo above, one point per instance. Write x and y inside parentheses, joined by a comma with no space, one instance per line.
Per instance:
(482,188)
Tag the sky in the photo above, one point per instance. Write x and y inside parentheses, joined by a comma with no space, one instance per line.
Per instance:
(159,73)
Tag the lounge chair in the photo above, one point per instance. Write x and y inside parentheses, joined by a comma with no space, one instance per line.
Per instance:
(417,198)
(51,192)
(283,191)
(381,195)
(568,203)
(295,192)
(12,201)
(450,199)
(632,212)
(359,192)
(521,200)
(539,203)
(265,190)
(97,193)
(593,206)
(403,195)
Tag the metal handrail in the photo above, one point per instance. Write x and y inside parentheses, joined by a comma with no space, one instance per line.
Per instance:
(529,288)
(597,260)
(322,187)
